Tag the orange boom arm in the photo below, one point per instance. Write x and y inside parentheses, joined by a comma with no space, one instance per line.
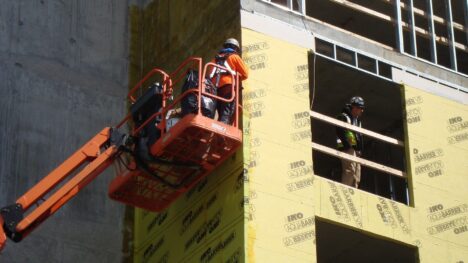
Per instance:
(97,154)
(161,162)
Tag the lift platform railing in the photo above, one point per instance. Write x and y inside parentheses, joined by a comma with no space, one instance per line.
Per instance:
(234,91)
(138,86)
(200,91)
(167,84)
(183,154)
(194,63)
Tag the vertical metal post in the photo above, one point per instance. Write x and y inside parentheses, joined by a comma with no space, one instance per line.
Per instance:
(390,178)
(407,193)
(392,188)
(399,26)
(334,52)
(430,19)
(465,7)
(302,4)
(377,70)
(451,35)
(356,63)
(290,4)
(376,185)
(412,22)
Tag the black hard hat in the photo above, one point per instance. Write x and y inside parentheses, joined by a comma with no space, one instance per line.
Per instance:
(357,101)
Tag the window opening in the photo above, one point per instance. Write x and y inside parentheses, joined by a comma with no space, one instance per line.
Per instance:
(383,158)
(338,243)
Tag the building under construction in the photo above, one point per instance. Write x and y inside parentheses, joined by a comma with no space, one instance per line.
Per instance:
(66,71)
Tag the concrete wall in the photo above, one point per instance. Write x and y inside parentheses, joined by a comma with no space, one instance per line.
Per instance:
(63,77)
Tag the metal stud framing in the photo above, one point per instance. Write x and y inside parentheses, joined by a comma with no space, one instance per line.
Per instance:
(412,22)
(465,7)
(430,13)
(414,32)
(399,29)
(302,6)
(451,35)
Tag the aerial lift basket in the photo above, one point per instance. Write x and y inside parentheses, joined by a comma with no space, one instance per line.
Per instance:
(184,154)
(176,157)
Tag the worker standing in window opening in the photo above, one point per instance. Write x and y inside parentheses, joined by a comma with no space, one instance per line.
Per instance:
(228,57)
(350,142)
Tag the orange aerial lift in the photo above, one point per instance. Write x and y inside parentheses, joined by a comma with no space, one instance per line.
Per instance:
(156,162)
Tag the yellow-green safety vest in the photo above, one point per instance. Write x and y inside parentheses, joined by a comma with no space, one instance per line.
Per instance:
(350,136)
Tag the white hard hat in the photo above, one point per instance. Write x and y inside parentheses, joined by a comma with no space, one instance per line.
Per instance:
(232,41)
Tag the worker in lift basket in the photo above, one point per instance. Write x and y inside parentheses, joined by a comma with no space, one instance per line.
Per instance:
(228,57)
(350,142)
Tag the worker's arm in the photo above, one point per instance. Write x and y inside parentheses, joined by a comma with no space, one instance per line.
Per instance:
(359,142)
(340,133)
(239,66)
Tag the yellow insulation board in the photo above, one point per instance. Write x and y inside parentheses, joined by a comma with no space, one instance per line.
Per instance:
(150,223)
(437,143)
(361,210)
(202,216)
(285,197)
(277,153)
(437,224)
(212,210)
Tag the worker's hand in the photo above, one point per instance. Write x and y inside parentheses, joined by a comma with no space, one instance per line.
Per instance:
(169,93)
(178,110)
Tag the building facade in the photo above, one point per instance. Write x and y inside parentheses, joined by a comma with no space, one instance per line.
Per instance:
(408,63)
(279,198)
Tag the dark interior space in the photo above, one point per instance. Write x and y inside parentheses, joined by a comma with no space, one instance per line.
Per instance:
(462,59)
(336,244)
(355,21)
(334,85)
(424,47)
(443,55)
(377,27)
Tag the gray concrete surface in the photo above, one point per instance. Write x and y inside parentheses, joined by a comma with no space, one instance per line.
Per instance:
(63,77)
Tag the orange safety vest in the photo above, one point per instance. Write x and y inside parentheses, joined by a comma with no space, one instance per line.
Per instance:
(235,65)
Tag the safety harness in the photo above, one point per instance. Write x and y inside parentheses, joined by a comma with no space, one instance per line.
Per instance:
(350,136)
(221,59)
